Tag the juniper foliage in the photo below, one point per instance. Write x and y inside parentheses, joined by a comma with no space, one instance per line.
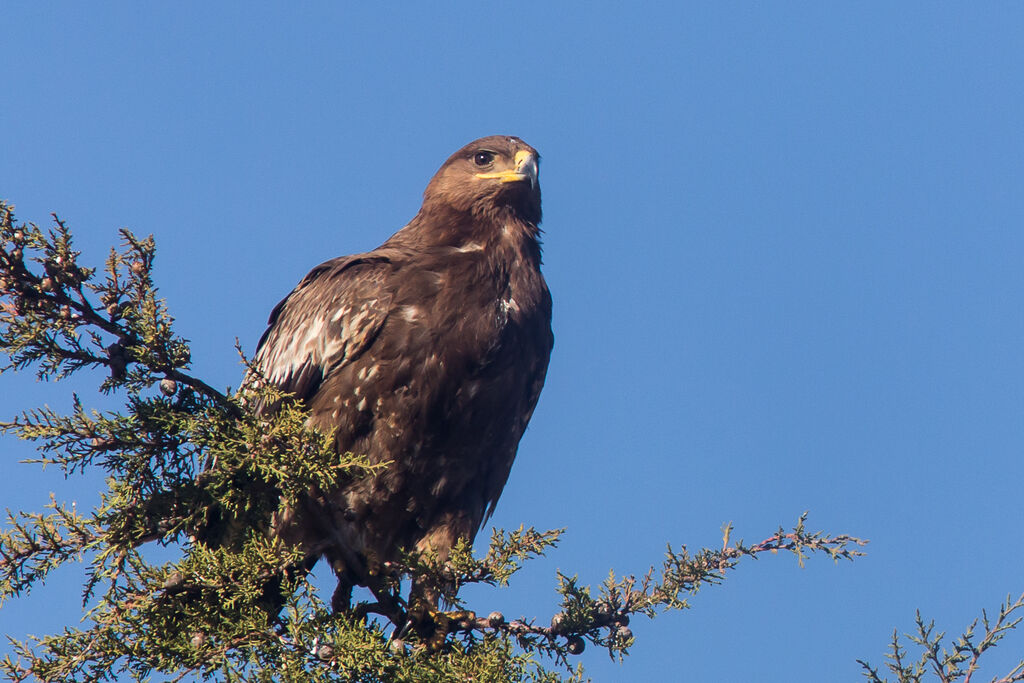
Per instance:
(196,469)
(960,660)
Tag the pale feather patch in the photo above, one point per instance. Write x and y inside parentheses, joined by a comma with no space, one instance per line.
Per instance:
(314,334)
(333,348)
(351,326)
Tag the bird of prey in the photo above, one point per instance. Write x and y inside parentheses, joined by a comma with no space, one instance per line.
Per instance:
(428,353)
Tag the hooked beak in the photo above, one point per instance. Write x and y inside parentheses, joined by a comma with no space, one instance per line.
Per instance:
(525,170)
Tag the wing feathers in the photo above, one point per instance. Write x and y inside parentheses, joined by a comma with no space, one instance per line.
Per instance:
(326,322)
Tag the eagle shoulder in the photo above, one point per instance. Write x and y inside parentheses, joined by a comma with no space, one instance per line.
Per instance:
(326,322)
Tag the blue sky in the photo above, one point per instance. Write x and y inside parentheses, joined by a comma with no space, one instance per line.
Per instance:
(784,244)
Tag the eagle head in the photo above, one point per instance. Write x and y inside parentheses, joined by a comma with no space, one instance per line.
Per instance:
(489,179)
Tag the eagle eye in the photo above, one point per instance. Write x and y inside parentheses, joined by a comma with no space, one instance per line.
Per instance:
(483,158)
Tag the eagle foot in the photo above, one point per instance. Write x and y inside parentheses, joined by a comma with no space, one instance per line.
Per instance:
(434,625)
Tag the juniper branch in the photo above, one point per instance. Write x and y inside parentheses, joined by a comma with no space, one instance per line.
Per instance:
(46,307)
(33,544)
(960,660)
(604,620)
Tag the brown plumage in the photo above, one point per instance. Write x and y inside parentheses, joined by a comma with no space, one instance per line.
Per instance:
(429,352)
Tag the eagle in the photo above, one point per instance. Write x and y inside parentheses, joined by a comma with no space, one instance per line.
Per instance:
(427,354)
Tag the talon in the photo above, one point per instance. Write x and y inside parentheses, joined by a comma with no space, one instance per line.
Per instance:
(443,623)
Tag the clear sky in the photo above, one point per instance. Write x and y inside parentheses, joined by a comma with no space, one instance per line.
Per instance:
(785,244)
